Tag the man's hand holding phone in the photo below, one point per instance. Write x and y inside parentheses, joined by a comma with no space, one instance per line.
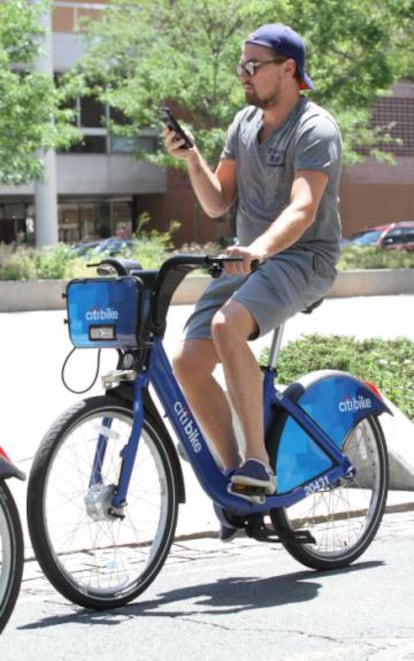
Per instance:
(216,190)
(177,141)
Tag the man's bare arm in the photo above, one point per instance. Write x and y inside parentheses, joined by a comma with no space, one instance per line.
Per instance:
(307,189)
(215,191)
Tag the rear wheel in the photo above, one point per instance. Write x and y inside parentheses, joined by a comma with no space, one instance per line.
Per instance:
(11,554)
(342,520)
(94,556)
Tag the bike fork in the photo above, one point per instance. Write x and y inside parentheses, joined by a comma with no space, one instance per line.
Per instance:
(102,499)
(129,451)
(98,460)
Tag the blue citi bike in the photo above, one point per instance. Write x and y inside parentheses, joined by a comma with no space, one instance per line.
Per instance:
(11,541)
(106,481)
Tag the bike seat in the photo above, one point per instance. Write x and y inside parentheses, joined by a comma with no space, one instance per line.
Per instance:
(118,264)
(310,308)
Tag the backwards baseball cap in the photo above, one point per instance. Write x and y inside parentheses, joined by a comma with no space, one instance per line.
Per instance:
(283,41)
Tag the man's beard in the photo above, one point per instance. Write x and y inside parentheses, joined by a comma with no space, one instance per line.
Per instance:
(260,102)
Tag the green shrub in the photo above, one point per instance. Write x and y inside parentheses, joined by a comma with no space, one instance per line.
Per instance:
(21,263)
(36,264)
(361,257)
(16,264)
(152,248)
(53,263)
(387,363)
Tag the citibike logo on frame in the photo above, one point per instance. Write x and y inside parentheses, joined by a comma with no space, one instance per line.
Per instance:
(351,404)
(101,314)
(187,426)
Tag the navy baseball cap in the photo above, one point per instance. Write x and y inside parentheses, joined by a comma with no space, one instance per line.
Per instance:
(283,41)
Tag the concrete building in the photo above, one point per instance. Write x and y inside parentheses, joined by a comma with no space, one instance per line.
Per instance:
(99,182)
(102,188)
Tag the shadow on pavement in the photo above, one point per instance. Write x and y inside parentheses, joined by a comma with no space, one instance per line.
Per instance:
(223,596)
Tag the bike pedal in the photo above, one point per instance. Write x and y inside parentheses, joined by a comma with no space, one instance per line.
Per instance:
(254,495)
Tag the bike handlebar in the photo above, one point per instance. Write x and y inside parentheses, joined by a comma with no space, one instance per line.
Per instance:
(162,284)
(214,264)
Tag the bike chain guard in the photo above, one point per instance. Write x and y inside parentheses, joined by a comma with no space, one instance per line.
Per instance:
(261,533)
(256,528)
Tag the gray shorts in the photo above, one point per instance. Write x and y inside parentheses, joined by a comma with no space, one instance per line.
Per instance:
(278,289)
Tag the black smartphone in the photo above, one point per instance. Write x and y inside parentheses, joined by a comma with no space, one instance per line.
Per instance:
(169,120)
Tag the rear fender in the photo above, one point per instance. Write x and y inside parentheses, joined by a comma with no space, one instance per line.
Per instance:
(336,401)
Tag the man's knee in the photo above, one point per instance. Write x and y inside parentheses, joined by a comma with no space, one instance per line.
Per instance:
(194,357)
(232,323)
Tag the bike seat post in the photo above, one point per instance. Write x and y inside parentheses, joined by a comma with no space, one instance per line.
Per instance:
(275,347)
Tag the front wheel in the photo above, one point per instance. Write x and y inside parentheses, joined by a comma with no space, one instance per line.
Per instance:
(11,554)
(342,520)
(93,555)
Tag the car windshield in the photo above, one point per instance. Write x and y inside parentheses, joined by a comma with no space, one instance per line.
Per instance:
(366,238)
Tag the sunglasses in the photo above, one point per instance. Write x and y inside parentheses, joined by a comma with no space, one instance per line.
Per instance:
(251,66)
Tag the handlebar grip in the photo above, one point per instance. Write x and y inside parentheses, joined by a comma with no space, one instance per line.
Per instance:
(216,265)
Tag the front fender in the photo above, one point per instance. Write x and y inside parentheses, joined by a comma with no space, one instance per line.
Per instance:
(336,401)
(7,469)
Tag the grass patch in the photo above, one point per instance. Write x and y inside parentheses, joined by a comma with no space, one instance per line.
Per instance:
(387,363)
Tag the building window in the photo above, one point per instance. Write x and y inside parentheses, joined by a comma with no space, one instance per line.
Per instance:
(91,144)
(92,113)
(94,219)
(143,142)
(91,117)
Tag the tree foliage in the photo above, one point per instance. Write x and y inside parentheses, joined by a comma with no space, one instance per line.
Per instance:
(30,118)
(143,53)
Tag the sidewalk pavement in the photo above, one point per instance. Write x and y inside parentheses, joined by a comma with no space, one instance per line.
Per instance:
(35,344)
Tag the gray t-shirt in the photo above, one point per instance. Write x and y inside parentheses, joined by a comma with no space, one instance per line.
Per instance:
(309,139)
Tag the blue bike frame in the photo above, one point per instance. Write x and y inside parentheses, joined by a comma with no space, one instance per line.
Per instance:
(159,374)
(317,413)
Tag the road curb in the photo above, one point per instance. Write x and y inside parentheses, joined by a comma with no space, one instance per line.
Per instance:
(397,508)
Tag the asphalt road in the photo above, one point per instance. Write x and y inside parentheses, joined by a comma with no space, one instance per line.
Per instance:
(243,600)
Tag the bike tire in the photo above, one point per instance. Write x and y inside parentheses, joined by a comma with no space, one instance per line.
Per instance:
(342,520)
(11,554)
(108,562)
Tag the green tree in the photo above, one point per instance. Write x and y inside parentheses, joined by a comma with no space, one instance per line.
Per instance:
(143,53)
(30,118)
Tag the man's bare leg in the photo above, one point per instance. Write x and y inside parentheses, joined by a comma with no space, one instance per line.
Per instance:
(194,363)
(231,328)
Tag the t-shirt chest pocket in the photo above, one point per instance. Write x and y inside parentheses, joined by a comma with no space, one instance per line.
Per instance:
(275,179)
(275,158)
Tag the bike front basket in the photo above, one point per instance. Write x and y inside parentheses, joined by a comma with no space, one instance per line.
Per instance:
(104,312)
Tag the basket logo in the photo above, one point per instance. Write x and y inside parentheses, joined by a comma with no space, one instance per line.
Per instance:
(101,314)
(354,404)
(188,426)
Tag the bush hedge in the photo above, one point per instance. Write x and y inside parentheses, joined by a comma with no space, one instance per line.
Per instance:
(61,262)
(359,257)
(389,364)
(151,249)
